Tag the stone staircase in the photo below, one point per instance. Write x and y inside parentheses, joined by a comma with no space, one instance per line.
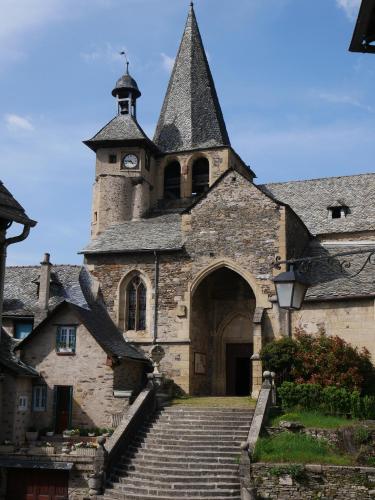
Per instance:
(183,453)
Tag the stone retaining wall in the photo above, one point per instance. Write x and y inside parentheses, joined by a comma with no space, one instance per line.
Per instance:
(315,482)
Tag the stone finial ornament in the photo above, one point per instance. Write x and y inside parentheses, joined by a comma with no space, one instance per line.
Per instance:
(157,354)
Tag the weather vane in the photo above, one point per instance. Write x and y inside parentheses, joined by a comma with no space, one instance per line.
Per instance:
(123,53)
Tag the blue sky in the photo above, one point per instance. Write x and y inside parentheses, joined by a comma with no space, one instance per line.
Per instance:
(297,104)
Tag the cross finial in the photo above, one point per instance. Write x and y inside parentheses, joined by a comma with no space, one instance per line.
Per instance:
(123,53)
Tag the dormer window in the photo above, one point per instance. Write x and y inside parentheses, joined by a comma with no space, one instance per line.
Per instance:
(338,212)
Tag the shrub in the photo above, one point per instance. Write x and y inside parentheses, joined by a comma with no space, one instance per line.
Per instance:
(278,356)
(330,400)
(319,359)
(306,396)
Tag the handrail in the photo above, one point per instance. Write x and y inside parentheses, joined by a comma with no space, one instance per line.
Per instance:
(264,402)
(109,451)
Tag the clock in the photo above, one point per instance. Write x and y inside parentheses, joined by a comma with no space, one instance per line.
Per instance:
(130,161)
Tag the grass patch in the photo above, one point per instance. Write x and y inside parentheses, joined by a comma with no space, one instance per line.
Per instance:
(298,448)
(217,402)
(314,420)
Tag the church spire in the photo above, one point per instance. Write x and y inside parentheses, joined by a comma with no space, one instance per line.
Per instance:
(191,117)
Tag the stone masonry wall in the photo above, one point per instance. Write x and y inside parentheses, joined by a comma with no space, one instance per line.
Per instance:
(86,371)
(316,481)
(352,320)
(234,225)
(14,421)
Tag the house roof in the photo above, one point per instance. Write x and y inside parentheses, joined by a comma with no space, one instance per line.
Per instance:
(364,32)
(310,199)
(98,322)
(122,128)
(21,288)
(11,210)
(162,233)
(191,116)
(336,278)
(9,361)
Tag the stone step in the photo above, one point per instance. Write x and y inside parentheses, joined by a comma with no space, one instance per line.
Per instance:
(210,426)
(183,431)
(168,484)
(175,453)
(201,416)
(116,495)
(209,440)
(178,459)
(191,468)
(162,447)
(189,493)
(178,475)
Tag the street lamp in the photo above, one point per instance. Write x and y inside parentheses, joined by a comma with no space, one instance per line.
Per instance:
(291,286)
(291,289)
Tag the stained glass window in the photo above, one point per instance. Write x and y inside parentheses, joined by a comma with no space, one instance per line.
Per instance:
(136,304)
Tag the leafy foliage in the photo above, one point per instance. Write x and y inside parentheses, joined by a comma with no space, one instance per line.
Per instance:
(330,400)
(320,360)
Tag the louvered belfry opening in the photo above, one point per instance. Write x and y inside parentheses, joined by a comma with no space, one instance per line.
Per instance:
(200,176)
(172,181)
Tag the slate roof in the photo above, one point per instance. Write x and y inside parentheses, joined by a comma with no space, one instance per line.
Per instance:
(310,200)
(119,129)
(162,233)
(11,210)
(98,322)
(21,288)
(191,117)
(336,279)
(9,361)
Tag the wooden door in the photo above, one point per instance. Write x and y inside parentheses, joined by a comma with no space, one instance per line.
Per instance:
(37,484)
(238,367)
(63,407)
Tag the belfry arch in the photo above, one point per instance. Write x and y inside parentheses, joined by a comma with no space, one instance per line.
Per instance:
(221,333)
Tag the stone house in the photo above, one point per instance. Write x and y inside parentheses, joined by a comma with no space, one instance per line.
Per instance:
(75,369)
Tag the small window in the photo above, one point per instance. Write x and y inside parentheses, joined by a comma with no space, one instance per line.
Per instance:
(95,217)
(22,403)
(338,212)
(136,305)
(22,329)
(200,176)
(66,339)
(39,398)
(112,158)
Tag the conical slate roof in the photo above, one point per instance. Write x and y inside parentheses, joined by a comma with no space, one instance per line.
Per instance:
(119,129)
(191,117)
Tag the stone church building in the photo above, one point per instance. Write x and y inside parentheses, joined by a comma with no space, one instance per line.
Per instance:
(183,241)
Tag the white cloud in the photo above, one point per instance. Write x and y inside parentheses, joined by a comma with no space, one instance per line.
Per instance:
(167,62)
(350,7)
(16,122)
(343,98)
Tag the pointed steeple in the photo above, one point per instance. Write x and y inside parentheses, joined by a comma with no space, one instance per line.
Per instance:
(191,117)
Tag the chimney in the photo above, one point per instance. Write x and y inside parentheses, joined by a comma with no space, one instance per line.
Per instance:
(44,285)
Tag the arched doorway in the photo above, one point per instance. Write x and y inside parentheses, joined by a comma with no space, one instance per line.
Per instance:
(221,334)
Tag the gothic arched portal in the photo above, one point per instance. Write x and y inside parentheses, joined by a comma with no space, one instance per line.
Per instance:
(221,334)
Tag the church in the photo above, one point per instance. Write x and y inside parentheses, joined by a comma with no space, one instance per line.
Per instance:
(184,241)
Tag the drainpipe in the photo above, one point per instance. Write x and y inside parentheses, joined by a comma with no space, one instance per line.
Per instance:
(4,243)
(156,297)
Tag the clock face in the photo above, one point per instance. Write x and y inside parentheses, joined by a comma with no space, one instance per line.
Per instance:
(130,161)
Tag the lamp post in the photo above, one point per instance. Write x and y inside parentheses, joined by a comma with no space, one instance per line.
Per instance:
(291,286)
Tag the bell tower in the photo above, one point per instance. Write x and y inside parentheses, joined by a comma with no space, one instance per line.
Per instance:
(123,159)
(127,93)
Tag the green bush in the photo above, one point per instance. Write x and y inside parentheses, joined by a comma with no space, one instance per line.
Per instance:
(320,359)
(330,400)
